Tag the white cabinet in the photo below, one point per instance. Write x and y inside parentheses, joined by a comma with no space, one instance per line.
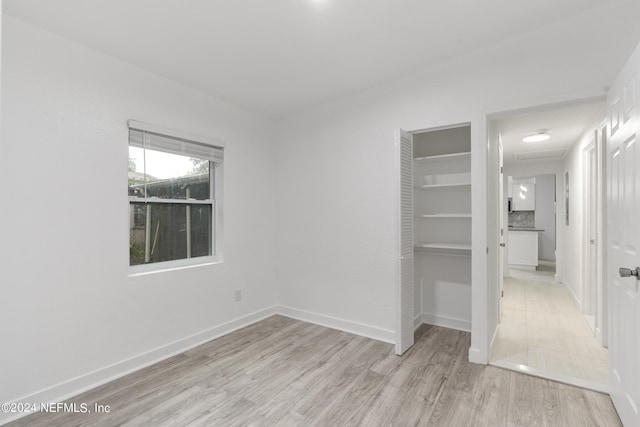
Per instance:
(523,197)
(522,249)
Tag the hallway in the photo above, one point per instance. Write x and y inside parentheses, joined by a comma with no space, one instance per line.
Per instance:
(543,332)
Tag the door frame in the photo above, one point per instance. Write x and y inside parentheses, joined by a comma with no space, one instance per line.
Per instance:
(601,230)
(490,149)
(504,227)
(600,310)
(590,297)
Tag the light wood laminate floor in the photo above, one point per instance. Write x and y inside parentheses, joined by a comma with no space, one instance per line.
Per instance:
(284,372)
(542,328)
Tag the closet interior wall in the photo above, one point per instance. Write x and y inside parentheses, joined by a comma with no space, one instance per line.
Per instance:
(442,224)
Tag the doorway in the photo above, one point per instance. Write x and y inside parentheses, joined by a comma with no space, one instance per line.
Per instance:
(540,304)
(531,222)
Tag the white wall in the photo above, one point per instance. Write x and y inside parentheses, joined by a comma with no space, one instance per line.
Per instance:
(72,318)
(0,72)
(445,290)
(545,216)
(68,308)
(573,234)
(336,172)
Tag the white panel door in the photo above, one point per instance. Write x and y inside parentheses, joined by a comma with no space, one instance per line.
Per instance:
(404,285)
(623,241)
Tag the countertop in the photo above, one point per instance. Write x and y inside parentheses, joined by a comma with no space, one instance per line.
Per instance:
(525,229)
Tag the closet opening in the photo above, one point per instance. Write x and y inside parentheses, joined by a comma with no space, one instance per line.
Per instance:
(442,226)
(434,220)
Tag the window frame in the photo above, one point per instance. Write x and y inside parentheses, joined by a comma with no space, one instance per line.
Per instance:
(215,201)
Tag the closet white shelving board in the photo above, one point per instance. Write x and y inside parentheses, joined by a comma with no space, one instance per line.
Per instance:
(443,203)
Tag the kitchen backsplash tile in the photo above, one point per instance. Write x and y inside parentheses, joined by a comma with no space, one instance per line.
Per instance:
(522,219)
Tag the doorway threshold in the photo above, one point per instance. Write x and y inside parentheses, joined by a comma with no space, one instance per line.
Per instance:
(553,376)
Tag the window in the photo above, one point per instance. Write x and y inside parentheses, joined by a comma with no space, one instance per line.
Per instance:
(174,198)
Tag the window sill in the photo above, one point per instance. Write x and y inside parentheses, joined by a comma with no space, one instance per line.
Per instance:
(167,266)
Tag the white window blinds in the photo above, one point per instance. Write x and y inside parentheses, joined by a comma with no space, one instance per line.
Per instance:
(152,137)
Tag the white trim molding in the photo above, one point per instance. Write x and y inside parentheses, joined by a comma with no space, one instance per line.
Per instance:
(446,322)
(417,322)
(72,387)
(75,386)
(475,356)
(368,331)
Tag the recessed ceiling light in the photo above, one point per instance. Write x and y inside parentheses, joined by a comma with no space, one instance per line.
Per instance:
(542,135)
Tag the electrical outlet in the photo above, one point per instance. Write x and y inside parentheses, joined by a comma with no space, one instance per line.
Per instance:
(237,295)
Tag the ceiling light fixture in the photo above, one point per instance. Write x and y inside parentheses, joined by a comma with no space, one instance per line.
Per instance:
(541,135)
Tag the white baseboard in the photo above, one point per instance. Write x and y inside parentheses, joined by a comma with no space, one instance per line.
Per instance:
(475,356)
(446,322)
(573,296)
(75,386)
(523,267)
(599,336)
(495,335)
(356,328)
(70,388)
(417,321)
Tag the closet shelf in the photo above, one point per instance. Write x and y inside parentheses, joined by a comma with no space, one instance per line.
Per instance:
(445,215)
(454,185)
(444,156)
(444,248)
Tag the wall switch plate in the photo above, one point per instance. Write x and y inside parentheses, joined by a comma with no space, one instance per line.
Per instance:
(237,295)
